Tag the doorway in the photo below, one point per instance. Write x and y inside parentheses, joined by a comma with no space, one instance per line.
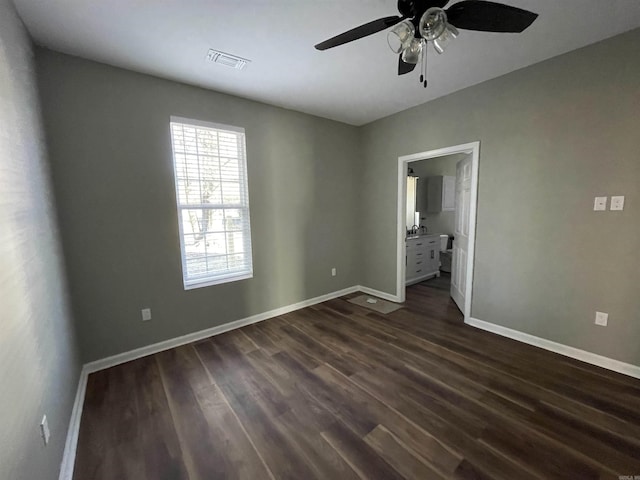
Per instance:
(465,218)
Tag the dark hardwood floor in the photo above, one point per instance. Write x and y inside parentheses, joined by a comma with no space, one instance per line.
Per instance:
(336,391)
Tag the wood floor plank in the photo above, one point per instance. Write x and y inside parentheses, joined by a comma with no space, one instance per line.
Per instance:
(158,440)
(241,459)
(257,408)
(432,450)
(203,454)
(127,405)
(360,456)
(226,365)
(399,456)
(320,394)
(318,453)
(97,455)
(280,451)
(612,453)
(449,432)
(541,458)
(338,391)
(258,337)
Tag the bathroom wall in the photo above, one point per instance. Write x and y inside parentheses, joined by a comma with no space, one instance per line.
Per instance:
(39,364)
(440,222)
(552,137)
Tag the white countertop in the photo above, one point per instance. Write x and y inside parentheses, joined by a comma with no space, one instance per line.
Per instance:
(422,235)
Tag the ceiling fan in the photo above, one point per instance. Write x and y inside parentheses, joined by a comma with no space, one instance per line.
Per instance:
(424,21)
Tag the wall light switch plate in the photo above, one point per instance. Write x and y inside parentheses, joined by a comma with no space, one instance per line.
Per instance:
(44,430)
(617,203)
(334,272)
(146,314)
(602,319)
(600,204)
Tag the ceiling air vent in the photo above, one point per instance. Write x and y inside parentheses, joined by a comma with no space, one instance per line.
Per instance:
(227,59)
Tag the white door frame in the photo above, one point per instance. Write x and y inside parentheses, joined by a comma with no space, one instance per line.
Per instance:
(472,148)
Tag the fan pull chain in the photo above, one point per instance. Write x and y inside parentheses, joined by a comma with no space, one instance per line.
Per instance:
(422,44)
(423,77)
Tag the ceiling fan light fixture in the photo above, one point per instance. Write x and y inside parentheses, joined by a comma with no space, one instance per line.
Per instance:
(400,36)
(433,23)
(411,54)
(443,41)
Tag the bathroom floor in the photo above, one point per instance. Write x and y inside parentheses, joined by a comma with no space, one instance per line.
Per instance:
(443,282)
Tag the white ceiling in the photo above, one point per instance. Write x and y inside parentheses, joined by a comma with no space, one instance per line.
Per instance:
(355,83)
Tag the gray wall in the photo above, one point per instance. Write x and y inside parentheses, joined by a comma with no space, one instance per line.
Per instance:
(113,178)
(39,365)
(553,136)
(440,222)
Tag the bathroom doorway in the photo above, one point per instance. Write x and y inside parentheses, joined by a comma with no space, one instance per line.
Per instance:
(454,195)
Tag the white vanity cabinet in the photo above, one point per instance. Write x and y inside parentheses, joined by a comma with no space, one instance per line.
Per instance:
(422,258)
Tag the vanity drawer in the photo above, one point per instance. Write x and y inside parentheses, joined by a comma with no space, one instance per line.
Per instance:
(417,272)
(428,255)
(417,244)
(415,256)
(422,243)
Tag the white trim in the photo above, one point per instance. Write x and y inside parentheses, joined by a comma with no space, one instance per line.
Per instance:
(209,332)
(378,293)
(208,281)
(472,148)
(567,351)
(71,443)
(206,124)
(401,244)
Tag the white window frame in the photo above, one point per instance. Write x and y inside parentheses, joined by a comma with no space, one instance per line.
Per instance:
(208,278)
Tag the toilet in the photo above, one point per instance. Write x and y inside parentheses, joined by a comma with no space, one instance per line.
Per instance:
(445,254)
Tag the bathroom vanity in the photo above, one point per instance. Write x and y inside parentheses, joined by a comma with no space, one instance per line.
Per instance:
(422,257)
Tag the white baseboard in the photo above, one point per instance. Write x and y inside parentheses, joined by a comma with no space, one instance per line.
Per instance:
(209,332)
(71,443)
(378,293)
(588,357)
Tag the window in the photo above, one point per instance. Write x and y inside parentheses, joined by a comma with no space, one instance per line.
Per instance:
(210,165)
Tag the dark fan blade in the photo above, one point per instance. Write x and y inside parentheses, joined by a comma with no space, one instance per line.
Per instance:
(404,67)
(359,32)
(489,17)
(405,7)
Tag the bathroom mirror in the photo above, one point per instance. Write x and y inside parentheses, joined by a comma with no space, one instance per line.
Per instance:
(413,217)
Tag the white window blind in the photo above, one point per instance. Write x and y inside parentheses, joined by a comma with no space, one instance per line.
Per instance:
(213,202)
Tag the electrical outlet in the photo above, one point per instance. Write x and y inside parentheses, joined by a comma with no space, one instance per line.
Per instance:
(334,272)
(600,204)
(602,319)
(146,314)
(44,430)
(617,203)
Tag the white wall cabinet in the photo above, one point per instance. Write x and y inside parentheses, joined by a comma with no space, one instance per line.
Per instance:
(422,258)
(440,194)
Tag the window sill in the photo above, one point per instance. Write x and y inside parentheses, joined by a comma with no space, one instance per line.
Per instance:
(208,282)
